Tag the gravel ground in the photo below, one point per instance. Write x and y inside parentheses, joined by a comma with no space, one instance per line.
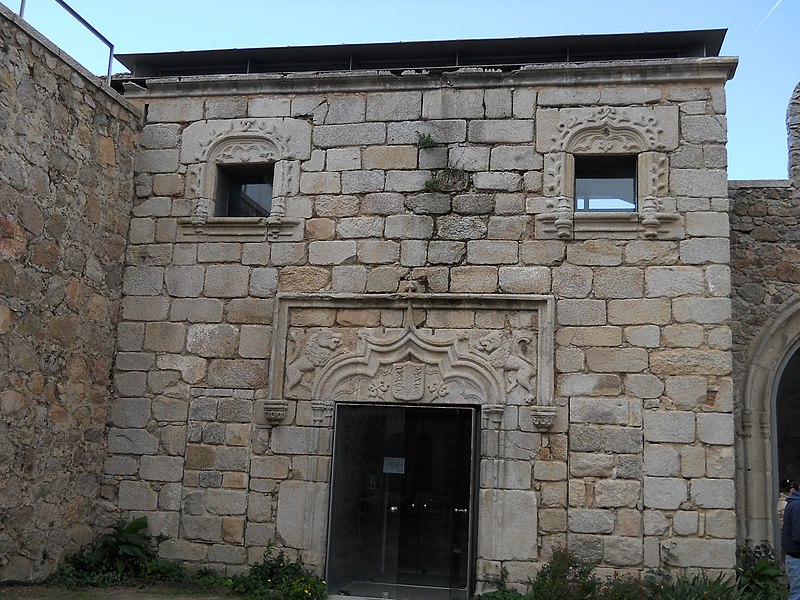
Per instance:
(150,592)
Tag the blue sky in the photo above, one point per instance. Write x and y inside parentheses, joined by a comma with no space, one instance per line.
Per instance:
(760,33)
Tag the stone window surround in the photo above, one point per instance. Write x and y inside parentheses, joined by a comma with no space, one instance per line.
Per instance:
(251,143)
(644,132)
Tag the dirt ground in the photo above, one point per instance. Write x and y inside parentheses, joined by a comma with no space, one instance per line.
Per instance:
(150,592)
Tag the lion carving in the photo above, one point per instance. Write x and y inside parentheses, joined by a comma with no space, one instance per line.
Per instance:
(501,355)
(318,350)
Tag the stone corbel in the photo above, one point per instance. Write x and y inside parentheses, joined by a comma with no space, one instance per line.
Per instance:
(543,417)
(274,411)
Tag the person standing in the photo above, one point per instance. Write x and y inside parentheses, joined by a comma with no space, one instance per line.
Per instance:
(790,540)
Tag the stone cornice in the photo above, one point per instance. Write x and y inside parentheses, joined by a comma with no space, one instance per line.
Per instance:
(631,72)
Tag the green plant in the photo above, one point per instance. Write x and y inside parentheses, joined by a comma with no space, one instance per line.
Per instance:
(565,578)
(448,179)
(699,587)
(625,588)
(425,140)
(124,549)
(278,578)
(759,572)
(116,557)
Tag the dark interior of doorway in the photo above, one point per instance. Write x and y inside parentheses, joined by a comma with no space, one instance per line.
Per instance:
(401,512)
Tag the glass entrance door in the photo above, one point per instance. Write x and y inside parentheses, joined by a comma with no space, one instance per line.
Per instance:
(401,508)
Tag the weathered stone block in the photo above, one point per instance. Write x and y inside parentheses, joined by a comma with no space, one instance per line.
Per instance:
(409,226)
(715,428)
(701,310)
(584,464)
(501,537)
(331,252)
(227,281)
(661,461)
(129,412)
(639,312)
(617,360)
(455,227)
(136,495)
(581,312)
(524,280)
(302,514)
(161,468)
(164,337)
(473,279)
(664,493)
(616,493)
(588,384)
(690,362)
(131,441)
(394,106)
(599,410)
(492,252)
(669,426)
(700,553)
(237,373)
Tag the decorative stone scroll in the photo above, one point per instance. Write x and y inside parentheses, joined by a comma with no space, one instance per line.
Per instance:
(239,142)
(647,132)
(413,348)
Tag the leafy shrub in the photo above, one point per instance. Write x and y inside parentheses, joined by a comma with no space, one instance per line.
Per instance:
(565,578)
(699,587)
(625,588)
(759,573)
(116,557)
(278,578)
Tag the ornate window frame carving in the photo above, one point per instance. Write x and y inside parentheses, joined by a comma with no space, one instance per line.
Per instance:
(248,142)
(647,133)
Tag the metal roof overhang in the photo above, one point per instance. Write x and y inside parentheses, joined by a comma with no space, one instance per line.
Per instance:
(503,54)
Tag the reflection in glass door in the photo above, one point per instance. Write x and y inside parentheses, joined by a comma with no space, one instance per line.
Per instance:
(401,507)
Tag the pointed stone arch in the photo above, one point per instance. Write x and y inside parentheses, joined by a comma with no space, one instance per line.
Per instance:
(756,449)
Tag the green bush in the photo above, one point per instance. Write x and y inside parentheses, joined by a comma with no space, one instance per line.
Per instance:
(759,573)
(759,576)
(116,557)
(278,578)
(565,578)
(699,587)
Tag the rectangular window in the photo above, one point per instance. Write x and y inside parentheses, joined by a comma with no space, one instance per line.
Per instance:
(605,182)
(244,191)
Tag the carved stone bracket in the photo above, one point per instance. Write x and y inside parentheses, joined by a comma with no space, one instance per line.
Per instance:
(543,417)
(274,411)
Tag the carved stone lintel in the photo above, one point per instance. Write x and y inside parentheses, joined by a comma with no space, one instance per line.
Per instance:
(543,417)
(275,410)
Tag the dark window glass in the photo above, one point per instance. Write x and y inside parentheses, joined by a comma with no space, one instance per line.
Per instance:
(605,183)
(244,191)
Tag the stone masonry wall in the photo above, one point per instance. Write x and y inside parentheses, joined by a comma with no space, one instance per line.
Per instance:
(765,259)
(637,470)
(66,182)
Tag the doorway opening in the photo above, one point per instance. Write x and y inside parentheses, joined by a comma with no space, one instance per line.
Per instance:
(402,502)
(787,415)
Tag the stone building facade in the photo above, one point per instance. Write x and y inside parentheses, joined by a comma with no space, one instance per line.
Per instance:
(423,250)
(423,365)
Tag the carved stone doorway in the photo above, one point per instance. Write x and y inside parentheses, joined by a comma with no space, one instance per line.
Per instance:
(402,510)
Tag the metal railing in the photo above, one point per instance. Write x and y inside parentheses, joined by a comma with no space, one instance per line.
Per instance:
(86,24)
